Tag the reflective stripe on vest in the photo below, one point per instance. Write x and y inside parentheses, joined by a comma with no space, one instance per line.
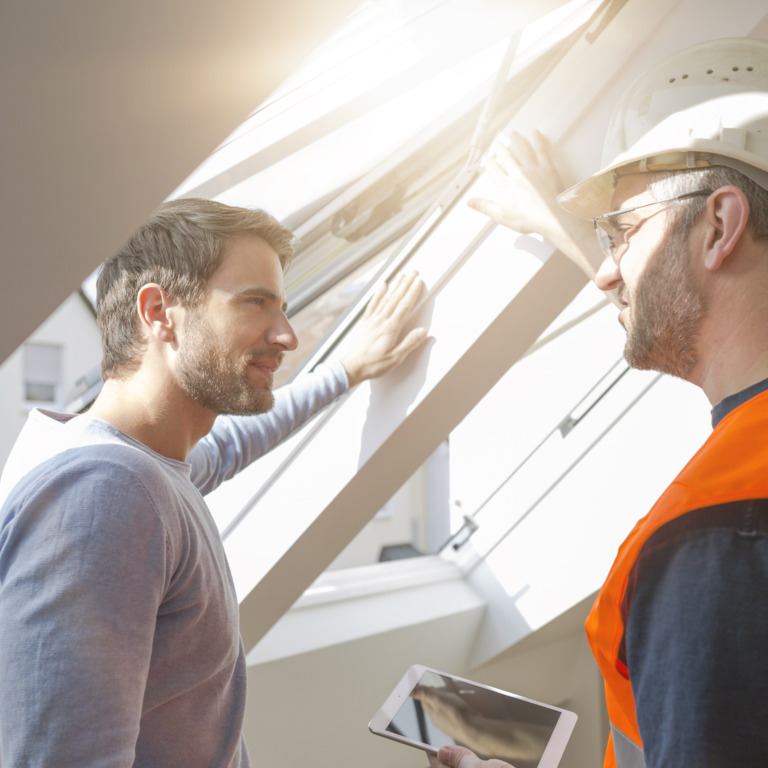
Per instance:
(626,752)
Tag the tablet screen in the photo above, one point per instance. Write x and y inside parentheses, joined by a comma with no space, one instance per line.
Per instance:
(435,708)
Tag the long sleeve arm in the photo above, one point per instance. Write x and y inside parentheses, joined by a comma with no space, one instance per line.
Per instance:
(81,579)
(696,636)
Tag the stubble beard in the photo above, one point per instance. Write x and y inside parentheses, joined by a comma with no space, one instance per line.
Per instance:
(666,312)
(214,377)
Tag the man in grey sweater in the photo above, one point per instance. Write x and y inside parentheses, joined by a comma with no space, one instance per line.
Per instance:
(119,638)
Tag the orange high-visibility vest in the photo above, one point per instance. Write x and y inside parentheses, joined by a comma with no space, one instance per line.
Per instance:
(730,466)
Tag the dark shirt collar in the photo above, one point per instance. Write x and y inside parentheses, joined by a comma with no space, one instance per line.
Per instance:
(724,407)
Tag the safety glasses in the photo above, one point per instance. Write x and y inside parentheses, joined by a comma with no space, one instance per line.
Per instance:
(613,235)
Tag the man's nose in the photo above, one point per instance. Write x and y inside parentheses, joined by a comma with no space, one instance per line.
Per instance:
(608,275)
(282,335)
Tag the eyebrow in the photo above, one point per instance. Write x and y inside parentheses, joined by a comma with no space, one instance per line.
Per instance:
(262,293)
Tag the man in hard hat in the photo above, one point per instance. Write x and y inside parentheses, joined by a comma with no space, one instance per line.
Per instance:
(680,210)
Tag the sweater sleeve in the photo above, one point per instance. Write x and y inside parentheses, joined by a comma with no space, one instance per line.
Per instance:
(83,568)
(237,441)
(696,635)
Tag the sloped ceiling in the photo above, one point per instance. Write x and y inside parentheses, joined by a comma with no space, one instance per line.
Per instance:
(107,107)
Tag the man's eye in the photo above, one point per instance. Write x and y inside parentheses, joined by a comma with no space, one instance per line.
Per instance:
(623,232)
(627,231)
(617,237)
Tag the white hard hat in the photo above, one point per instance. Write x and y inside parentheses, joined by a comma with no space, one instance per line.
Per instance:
(706,105)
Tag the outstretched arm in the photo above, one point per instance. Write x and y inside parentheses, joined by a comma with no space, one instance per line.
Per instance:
(528,183)
(375,344)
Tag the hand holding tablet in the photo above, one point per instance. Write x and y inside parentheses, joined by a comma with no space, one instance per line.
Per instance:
(429,709)
(451,756)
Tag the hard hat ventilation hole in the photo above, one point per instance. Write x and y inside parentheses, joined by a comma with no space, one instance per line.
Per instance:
(710,71)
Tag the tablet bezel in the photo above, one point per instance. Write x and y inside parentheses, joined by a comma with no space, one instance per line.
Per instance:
(553,751)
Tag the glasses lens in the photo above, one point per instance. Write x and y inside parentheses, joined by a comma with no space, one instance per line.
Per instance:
(604,233)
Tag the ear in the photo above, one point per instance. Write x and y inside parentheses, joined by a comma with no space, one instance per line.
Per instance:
(155,312)
(726,214)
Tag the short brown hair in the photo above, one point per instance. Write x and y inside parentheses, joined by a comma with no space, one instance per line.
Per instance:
(178,248)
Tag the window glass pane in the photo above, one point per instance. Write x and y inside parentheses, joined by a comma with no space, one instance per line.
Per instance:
(41,372)
(39,393)
(42,363)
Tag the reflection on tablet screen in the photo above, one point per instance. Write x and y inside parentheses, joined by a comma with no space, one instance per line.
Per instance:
(442,710)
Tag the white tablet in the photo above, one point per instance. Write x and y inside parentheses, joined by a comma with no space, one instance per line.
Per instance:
(428,709)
